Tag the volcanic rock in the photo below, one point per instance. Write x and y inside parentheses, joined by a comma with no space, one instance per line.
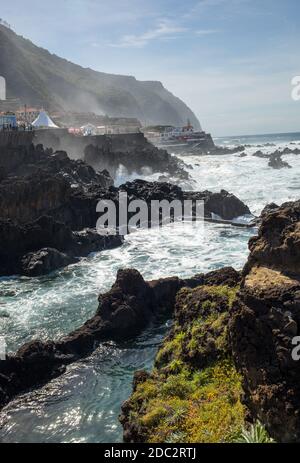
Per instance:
(44,261)
(123,311)
(264,320)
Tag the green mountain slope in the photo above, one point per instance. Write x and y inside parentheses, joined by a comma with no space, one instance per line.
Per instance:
(40,78)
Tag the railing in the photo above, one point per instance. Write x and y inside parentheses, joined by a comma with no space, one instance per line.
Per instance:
(8,128)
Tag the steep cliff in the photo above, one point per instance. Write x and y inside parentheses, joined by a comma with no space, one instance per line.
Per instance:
(40,78)
(227,360)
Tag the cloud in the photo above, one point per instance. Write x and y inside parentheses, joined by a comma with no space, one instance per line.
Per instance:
(236,102)
(202,6)
(163,30)
(206,31)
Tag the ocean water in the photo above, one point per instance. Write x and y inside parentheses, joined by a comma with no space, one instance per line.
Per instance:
(83,405)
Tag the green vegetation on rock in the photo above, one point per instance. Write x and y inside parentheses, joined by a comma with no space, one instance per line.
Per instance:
(254,434)
(197,406)
(193,394)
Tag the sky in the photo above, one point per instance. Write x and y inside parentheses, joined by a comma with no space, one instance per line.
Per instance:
(231,61)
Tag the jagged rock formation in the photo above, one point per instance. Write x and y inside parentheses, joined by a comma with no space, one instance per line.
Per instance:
(123,311)
(223,204)
(46,199)
(42,79)
(277,163)
(275,159)
(264,321)
(131,151)
(193,393)
(136,157)
(39,196)
(181,400)
(227,359)
(22,248)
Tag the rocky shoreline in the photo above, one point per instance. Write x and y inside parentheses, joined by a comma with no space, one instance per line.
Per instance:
(48,208)
(275,158)
(122,313)
(227,356)
(227,360)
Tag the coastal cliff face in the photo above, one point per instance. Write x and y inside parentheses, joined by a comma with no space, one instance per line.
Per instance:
(42,227)
(132,151)
(42,79)
(228,358)
(265,319)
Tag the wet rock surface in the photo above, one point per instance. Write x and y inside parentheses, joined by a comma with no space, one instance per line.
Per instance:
(265,319)
(238,327)
(140,157)
(181,400)
(46,199)
(23,161)
(122,312)
(277,163)
(223,204)
(22,249)
(256,325)
(275,158)
(44,261)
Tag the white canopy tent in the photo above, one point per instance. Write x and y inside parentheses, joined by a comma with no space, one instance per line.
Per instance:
(43,120)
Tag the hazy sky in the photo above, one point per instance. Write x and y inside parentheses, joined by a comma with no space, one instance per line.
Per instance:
(231,61)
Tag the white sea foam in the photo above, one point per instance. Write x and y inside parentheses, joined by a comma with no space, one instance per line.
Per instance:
(83,405)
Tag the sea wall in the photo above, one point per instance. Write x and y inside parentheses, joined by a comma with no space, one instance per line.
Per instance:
(61,139)
(16,138)
(132,150)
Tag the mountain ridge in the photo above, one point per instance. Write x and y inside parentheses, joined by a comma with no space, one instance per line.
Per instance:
(40,78)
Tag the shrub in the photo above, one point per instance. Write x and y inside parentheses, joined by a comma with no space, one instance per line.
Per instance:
(255,434)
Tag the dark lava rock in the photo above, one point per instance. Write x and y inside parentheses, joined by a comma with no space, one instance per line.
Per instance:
(22,247)
(222,150)
(275,160)
(197,340)
(137,156)
(271,207)
(24,161)
(224,204)
(44,261)
(264,321)
(277,163)
(277,244)
(226,276)
(260,154)
(123,311)
(48,200)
